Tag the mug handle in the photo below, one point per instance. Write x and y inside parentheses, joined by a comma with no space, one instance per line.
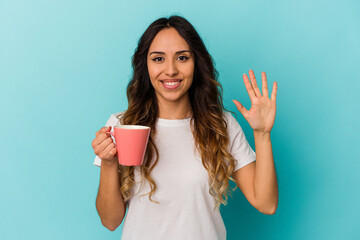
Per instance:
(112,133)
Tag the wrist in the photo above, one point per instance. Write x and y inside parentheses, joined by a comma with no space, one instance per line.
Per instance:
(261,133)
(110,163)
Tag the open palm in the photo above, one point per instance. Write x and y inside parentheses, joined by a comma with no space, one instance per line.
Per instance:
(261,115)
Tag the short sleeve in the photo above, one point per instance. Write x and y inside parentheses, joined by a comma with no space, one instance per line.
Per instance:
(112,121)
(239,147)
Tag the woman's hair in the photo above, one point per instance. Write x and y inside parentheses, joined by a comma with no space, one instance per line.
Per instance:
(208,125)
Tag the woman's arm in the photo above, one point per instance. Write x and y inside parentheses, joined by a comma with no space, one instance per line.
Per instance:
(265,183)
(258,181)
(109,202)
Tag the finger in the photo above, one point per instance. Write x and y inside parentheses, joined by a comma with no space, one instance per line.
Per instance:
(109,151)
(274,92)
(264,85)
(107,141)
(249,88)
(102,145)
(240,107)
(104,129)
(100,138)
(254,83)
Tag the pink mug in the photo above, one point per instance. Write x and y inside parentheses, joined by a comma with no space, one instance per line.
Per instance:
(131,142)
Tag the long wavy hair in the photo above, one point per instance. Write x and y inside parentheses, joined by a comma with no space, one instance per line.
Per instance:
(208,125)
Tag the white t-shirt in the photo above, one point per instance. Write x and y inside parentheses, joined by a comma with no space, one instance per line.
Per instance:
(186,209)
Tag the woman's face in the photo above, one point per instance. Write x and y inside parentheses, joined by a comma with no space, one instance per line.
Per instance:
(171,66)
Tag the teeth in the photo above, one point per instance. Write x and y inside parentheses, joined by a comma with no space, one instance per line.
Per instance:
(171,83)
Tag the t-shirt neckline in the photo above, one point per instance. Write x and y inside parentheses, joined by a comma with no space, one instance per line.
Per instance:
(173,122)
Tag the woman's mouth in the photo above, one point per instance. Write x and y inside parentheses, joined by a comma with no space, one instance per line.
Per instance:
(171,84)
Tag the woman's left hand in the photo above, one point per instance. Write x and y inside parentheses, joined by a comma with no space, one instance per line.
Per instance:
(261,115)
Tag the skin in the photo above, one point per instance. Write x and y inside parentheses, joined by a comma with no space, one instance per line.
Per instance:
(256,180)
(173,104)
(171,64)
(109,202)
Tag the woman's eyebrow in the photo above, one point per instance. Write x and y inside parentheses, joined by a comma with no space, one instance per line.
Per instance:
(164,53)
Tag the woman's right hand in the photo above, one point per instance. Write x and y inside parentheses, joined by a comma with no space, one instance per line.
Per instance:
(104,146)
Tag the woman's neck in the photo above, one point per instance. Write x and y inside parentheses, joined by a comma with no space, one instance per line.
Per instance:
(175,110)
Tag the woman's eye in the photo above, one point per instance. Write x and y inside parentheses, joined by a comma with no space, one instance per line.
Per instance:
(155,59)
(158,59)
(183,58)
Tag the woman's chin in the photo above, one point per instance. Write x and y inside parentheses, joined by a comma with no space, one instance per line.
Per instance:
(172,98)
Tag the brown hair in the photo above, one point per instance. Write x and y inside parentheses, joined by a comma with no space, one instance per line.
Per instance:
(209,127)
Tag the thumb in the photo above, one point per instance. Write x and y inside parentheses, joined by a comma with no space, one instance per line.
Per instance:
(240,107)
(106,129)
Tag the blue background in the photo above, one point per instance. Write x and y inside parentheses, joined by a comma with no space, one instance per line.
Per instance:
(64,67)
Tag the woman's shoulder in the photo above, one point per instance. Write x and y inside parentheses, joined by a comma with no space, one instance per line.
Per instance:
(114,119)
(233,125)
(118,114)
(228,117)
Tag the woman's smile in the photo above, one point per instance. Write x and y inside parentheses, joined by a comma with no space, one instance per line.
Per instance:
(171,84)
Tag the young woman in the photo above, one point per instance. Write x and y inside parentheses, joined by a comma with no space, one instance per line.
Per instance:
(195,145)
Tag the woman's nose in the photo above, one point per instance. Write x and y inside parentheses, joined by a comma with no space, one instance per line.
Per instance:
(171,68)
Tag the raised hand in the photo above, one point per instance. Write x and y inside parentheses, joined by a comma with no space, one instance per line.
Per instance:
(261,115)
